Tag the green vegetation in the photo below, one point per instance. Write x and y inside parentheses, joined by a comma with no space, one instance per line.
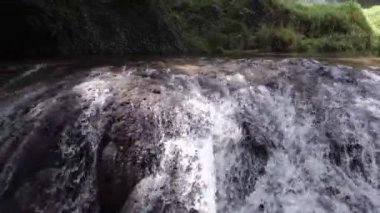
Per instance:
(215,26)
(66,27)
(373,17)
(212,25)
(323,28)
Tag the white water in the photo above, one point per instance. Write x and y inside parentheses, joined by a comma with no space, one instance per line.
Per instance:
(298,177)
(293,136)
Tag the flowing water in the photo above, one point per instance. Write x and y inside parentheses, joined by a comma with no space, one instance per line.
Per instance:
(191,135)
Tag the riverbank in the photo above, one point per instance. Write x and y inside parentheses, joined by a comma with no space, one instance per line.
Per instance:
(275,26)
(113,27)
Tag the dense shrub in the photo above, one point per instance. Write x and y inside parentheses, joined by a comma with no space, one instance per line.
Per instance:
(212,26)
(272,25)
(373,16)
(278,39)
(321,27)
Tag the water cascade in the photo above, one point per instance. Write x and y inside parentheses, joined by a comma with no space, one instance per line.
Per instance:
(213,135)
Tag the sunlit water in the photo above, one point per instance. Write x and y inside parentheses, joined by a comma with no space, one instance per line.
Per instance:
(200,135)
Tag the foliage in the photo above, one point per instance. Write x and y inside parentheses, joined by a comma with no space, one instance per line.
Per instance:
(271,25)
(321,27)
(278,39)
(211,26)
(373,17)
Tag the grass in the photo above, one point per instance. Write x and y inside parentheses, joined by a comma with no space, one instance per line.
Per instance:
(215,26)
(211,26)
(321,27)
(373,17)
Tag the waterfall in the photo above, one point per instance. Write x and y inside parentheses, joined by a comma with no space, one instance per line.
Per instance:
(204,135)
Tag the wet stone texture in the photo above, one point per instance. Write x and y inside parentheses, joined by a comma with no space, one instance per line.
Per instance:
(204,135)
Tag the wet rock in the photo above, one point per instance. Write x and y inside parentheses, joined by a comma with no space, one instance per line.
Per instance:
(261,207)
(295,129)
(156,91)
(116,178)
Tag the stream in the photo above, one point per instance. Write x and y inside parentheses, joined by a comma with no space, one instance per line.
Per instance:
(190,135)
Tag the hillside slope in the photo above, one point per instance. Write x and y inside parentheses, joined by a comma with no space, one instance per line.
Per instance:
(66,27)
(119,27)
(272,25)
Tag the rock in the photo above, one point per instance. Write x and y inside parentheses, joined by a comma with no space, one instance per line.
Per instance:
(116,178)
(156,91)
(89,148)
